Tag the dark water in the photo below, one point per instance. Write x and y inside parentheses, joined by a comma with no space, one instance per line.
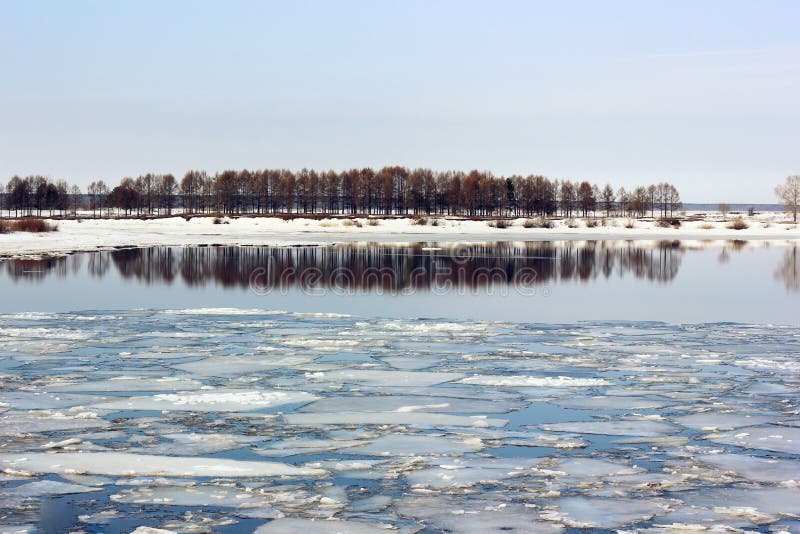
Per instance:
(537,282)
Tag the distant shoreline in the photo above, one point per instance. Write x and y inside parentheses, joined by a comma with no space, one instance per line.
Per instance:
(82,235)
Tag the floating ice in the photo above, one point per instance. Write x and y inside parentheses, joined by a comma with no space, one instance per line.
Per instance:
(416,445)
(594,467)
(319,526)
(475,517)
(126,464)
(387,378)
(191,496)
(534,381)
(595,512)
(401,433)
(469,473)
(758,505)
(754,468)
(769,438)
(239,365)
(222,400)
(408,403)
(29,423)
(39,488)
(710,421)
(292,447)
(611,403)
(613,428)
(390,418)
(130,383)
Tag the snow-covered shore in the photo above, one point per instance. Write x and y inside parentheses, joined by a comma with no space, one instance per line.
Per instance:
(100,234)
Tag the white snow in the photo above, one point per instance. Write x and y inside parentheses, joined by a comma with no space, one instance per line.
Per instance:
(92,234)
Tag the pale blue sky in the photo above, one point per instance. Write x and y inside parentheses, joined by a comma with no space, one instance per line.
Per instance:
(705,94)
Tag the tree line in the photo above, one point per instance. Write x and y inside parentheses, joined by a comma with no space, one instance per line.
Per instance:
(393,190)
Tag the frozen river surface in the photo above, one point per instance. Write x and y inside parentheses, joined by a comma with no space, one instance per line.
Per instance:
(232,420)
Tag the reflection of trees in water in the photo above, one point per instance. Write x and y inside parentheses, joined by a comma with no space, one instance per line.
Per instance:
(789,269)
(384,267)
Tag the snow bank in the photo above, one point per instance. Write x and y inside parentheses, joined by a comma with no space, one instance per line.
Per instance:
(93,234)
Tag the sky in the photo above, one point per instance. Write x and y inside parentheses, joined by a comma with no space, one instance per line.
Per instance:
(702,93)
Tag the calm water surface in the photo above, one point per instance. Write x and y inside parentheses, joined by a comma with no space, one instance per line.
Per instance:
(533,282)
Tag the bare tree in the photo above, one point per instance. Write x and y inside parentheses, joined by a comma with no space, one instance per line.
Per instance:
(789,193)
(724,209)
(608,198)
(168,188)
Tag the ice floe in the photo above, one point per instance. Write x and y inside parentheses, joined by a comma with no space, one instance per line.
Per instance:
(222,400)
(126,464)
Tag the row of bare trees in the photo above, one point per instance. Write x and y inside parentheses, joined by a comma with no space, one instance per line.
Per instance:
(388,191)
(37,195)
(391,190)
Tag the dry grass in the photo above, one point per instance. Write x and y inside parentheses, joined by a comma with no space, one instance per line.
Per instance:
(435,222)
(374,222)
(419,221)
(571,223)
(538,222)
(591,223)
(4,226)
(707,226)
(352,222)
(499,223)
(738,224)
(668,222)
(630,223)
(29,224)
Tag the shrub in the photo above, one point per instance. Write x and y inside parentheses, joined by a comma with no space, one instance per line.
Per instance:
(435,222)
(706,226)
(571,223)
(373,222)
(352,222)
(499,223)
(217,220)
(630,223)
(419,221)
(4,226)
(667,222)
(738,224)
(538,222)
(33,224)
(591,223)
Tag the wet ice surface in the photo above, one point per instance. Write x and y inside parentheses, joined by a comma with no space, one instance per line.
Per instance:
(228,420)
